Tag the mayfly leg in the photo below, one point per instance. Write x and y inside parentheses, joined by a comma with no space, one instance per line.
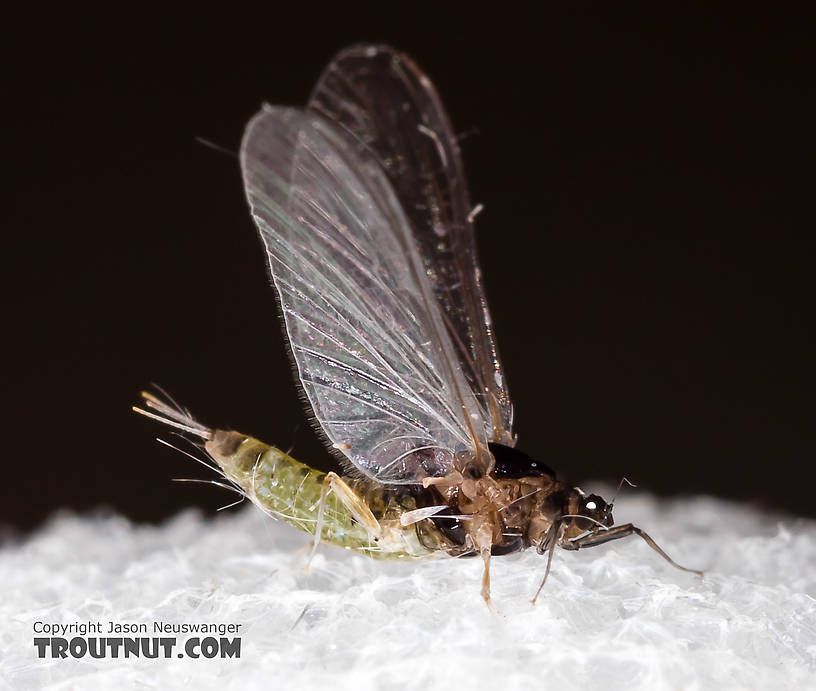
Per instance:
(548,544)
(486,576)
(353,504)
(481,538)
(618,532)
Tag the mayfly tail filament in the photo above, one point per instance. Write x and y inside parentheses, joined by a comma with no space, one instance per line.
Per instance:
(171,417)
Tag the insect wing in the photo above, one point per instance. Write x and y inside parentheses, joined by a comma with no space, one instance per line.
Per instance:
(367,337)
(382,99)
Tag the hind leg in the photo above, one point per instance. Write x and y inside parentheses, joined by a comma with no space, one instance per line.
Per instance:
(351,502)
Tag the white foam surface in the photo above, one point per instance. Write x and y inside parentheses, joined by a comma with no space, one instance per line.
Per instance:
(612,617)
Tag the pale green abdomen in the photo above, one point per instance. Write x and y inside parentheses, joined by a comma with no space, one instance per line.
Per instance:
(290,490)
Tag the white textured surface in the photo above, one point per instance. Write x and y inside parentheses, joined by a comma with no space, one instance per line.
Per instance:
(613,617)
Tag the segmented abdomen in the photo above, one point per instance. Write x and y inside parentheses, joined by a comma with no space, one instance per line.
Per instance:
(290,490)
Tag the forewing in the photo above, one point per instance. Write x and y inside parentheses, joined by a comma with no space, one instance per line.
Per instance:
(382,99)
(371,351)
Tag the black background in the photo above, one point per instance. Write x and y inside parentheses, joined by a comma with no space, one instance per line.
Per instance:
(647,242)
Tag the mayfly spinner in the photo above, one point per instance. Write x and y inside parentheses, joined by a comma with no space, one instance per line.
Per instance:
(360,201)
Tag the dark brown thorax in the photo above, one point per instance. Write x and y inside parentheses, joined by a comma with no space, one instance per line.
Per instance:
(518,504)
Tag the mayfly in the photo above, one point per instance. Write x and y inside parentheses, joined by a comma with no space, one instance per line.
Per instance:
(361,204)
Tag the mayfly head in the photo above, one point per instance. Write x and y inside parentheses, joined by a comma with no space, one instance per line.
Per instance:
(586,513)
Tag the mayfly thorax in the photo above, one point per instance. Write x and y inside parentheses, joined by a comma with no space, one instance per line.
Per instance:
(361,204)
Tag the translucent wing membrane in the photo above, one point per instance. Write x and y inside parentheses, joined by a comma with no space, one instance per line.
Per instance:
(370,344)
(383,101)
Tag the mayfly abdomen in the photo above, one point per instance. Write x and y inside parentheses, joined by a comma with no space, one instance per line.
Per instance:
(290,490)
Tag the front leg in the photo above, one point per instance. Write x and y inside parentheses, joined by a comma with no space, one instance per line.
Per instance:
(599,537)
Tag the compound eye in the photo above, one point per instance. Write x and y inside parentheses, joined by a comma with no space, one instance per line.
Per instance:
(594,504)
